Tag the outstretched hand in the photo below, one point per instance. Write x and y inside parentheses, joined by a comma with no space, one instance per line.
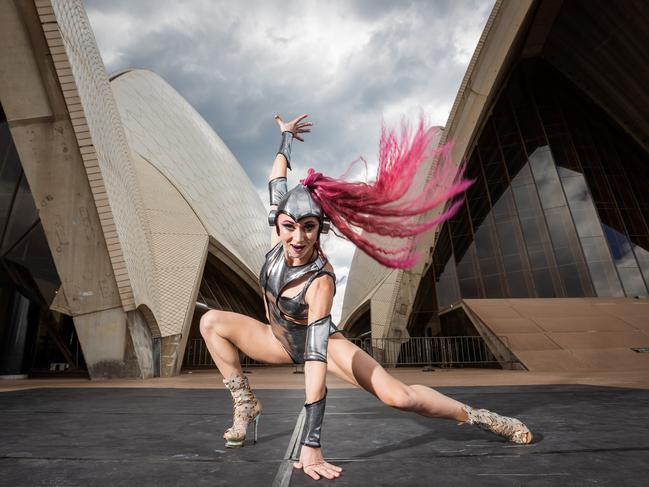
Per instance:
(296,126)
(314,465)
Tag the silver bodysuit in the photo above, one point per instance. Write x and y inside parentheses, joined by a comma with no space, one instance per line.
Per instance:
(283,312)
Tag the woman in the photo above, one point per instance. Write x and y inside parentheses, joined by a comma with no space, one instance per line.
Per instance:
(299,284)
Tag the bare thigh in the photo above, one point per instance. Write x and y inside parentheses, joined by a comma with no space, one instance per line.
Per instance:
(252,337)
(355,366)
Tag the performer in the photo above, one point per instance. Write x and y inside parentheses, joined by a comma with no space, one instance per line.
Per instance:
(298,285)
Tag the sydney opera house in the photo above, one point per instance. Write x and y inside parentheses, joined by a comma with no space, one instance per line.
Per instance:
(114,193)
(121,208)
(548,260)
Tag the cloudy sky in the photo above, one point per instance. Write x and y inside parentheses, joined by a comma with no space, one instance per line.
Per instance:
(348,64)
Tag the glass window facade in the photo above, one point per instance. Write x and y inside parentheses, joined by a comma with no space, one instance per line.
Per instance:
(221,288)
(25,259)
(559,207)
(28,278)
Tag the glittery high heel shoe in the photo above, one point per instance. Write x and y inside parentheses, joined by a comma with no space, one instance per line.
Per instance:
(246,408)
(509,428)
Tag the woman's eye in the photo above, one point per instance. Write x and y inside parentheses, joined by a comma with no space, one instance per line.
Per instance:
(288,227)
(309,228)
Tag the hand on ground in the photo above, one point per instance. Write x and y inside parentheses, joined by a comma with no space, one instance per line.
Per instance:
(314,465)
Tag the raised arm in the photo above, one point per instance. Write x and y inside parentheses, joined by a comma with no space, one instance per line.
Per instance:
(277,179)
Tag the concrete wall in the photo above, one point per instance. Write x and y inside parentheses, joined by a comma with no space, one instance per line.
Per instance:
(128,231)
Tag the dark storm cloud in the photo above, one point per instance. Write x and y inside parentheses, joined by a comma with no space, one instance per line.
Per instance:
(347,64)
(373,10)
(238,65)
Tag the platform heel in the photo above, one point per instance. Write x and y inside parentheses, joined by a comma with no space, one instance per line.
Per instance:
(256,420)
(246,408)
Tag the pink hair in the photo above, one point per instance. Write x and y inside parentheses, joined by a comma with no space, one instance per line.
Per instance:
(389,206)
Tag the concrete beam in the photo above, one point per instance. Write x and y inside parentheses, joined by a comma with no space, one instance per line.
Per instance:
(46,143)
(61,191)
(23,93)
(114,344)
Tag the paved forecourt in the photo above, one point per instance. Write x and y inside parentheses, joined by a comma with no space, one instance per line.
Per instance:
(585,434)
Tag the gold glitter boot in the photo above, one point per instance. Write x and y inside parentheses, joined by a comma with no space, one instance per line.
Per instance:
(246,408)
(509,428)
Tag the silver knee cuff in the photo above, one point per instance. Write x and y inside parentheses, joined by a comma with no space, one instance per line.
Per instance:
(317,339)
(313,422)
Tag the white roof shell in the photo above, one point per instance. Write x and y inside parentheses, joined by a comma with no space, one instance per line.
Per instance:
(163,128)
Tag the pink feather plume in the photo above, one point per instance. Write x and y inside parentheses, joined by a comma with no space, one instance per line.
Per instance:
(391,206)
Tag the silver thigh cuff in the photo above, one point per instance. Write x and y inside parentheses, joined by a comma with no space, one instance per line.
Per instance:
(313,422)
(317,338)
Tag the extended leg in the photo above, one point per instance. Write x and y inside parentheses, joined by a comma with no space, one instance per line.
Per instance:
(355,366)
(352,364)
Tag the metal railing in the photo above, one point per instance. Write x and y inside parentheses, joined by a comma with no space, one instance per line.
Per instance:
(460,351)
(451,351)
(197,356)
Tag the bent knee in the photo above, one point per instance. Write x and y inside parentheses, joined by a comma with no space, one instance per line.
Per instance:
(403,399)
(212,322)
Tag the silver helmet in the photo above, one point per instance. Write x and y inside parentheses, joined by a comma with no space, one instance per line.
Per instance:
(298,203)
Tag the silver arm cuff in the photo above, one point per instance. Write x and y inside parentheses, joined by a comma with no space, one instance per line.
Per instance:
(317,338)
(276,190)
(314,414)
(285,147)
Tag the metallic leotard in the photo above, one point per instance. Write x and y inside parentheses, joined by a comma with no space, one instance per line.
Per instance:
(283,312)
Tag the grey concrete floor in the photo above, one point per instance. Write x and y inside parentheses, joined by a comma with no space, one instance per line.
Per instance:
(584,435)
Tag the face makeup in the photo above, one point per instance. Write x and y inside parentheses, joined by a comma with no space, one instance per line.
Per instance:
(298,238)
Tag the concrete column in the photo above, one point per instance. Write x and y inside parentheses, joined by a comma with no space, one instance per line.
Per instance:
(102,336)
(170,355)
(115,344)
(140,346)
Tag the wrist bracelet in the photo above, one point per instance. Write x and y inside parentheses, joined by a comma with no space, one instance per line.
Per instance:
(313,422)
(285,147)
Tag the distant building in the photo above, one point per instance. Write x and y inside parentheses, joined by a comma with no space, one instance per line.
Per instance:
(548,260)
(120,208)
